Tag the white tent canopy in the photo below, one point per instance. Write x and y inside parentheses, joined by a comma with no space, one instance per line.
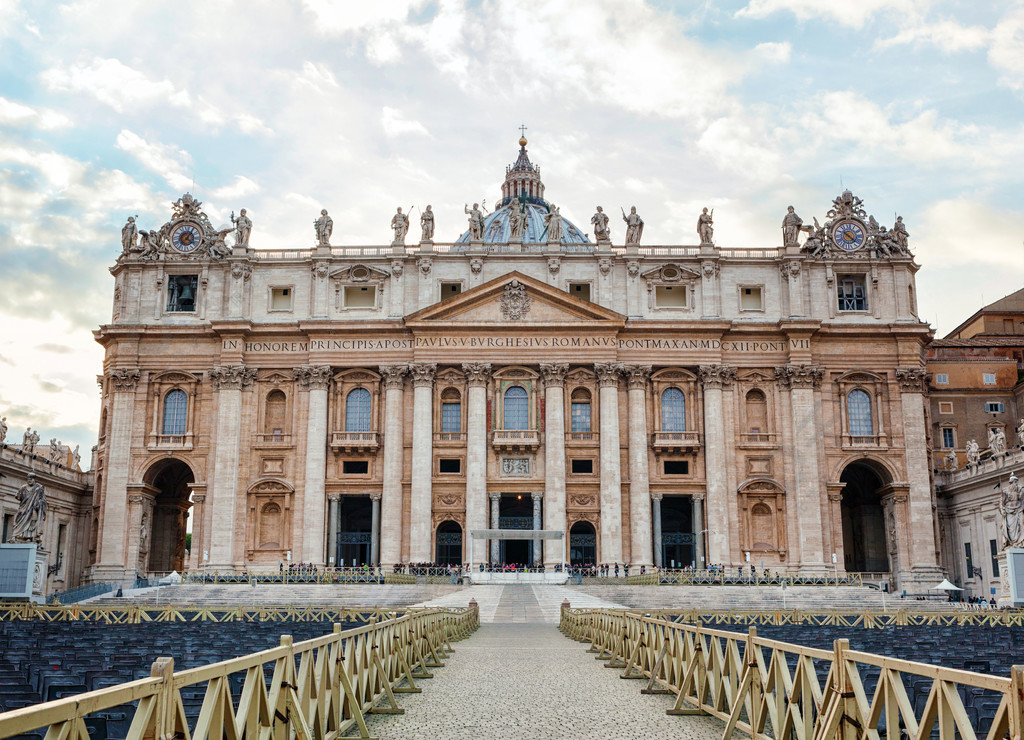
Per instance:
(946,586)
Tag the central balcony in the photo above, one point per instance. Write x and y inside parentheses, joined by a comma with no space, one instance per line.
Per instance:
(515,439)
(277,439)
(676,441)
(354,441)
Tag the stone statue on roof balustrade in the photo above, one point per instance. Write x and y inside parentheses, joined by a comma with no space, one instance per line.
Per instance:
(634,226)
(997,441)
(973,453)
(324,227)
(553,219)
(427,225)
(28,522)
(1011,510)
(517,220)
(476,222)
(400,225)
(600,222)
(791,227)
(705,226)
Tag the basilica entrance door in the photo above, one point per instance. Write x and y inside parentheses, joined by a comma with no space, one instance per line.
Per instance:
(582,544)
(864,545)
(354,531)
(677,538)
(515,512)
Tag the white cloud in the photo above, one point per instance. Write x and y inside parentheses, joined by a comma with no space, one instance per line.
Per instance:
(1007,51)
(395,124)
(13,113)
(950,231)
(343,16)
(852,14)
(241,187)
(774,52)
(946,35)
(168,162)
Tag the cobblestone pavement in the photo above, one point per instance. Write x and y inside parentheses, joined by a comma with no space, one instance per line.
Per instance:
(520,603)
(526,680)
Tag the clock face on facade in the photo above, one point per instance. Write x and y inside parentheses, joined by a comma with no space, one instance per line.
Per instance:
(186,238)
(848,236)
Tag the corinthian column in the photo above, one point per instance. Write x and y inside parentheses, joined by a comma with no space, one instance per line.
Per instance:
(422,460)
(639,479)
(477,374)
(714,378)
(228,382)
(314,379)
(611,476)
(554,457)
(122,383)
(391,487)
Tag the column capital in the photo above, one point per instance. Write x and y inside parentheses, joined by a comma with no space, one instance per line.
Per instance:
(657,496)
(124,378)
(607,373)
(198,498)
(394,375)
(554,373)
(912,379)
(136,498)
(477,373)
(717,376)
(375,496)
(799,376)
(494,495)
(698,498)
(423,374)
(313,377)
(232,377)
(537,495)
(636,376)
(334,497)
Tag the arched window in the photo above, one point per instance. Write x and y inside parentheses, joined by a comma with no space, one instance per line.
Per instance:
(757,412)
(175,412)
(273,419)
(451,411)
(580,416)
(357,411)
(517,408)
(858,412)
(673,410)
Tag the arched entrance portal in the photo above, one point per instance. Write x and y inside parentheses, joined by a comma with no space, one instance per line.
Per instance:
(449,543)
(677,531)
(582,544)
(864,545)
(355,531)
(168,520)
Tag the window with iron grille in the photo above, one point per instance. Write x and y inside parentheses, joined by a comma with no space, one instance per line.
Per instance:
(357,410)
(517,408)
(852,293)
(175,412)
(858,410)
(451,417)
(181,293)
(580,417)
(673,410)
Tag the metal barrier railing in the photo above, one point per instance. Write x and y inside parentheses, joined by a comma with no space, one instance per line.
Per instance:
(869,619)
(319,688)
(771,689)
(721,578)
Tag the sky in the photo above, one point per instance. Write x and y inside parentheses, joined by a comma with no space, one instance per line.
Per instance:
(747,106)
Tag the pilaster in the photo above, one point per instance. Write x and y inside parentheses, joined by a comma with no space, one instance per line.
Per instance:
(122,382)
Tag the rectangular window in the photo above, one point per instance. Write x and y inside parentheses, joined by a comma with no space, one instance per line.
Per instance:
(580,417)
(948,438)
(968,560)
(580,290)
(988,378)
(994,407)
(676,467)
(582,467)
(8,523)
(670,296)
(451,417)
(355,467)
(62,530)
(750,299)
(941,379)
(993,550)
(280,299)
(852,293)
(945,407)
(360,296)
(450,289)
(181,293)
(449,465)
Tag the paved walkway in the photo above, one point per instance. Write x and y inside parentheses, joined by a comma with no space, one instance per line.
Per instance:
(520,603)
(526,680)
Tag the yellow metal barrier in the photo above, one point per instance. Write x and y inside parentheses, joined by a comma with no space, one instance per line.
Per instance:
(320,689)
(771,689)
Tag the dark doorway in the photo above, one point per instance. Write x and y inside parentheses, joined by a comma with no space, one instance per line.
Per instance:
(864,546)
(354,531)
(163,529)
(677,534)
(582,544)
(516,512)
(449,543)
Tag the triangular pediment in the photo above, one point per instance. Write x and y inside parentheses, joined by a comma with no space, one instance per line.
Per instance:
(515,299)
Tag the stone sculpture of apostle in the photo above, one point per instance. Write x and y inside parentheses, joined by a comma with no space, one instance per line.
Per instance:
(129,236)
(324,226)
(705,227)
(1011,510)
(791,224)
(476,222)
(400,225)
(427,224)
(243,228)
(29,441)
(28,522)
(3,429)
(634,226)
(973,453)
(600,221)
(516,220)
(997,441)
(554,224)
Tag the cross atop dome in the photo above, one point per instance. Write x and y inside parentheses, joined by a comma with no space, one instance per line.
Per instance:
(522,179)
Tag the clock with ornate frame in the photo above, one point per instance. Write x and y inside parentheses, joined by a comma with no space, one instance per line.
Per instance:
(849,235)
(186,237)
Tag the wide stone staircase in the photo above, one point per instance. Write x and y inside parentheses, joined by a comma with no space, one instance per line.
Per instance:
(298,595)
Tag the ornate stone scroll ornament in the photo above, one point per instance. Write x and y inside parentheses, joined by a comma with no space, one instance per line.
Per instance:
(706,227)
(710,269)
(1011,510)
(799,376)
(608,373)
(601,232)
(789,268)
(912,379)
(321,270)
(477,373)
(29,442)
(515,304)
(124,379)
(400,225)
(973,454)
(313,377)
(394,375)
(476,222)
(243,228)
(634,226)
(423,373)
(476,265)
(554,265)
(28,522)
(604,265)
(716,376)
(324,227)
(427,224)
(553,373)
(425,263)
(997,441)
(633,269)
(512,466)
(636,376)
(232,377)
(791,226)
(241,271)
(396,268)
